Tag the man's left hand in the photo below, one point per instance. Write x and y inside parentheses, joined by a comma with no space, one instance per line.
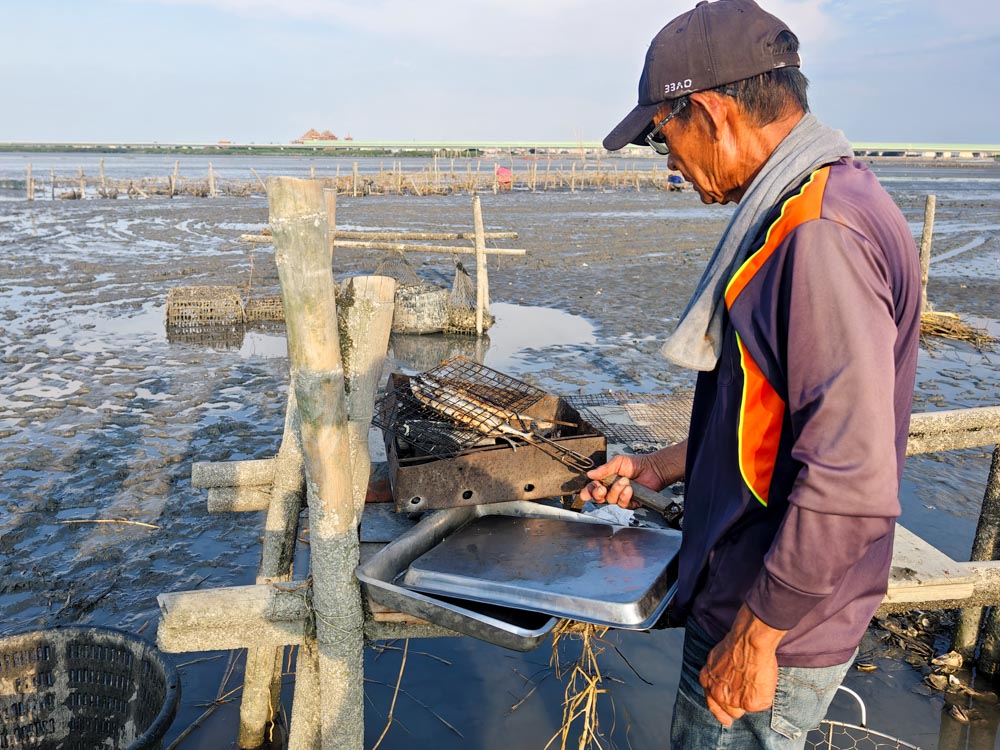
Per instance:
(742,671)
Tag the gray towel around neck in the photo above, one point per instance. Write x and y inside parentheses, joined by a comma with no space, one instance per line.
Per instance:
(696,343)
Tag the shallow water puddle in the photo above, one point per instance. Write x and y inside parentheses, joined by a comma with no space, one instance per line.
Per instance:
(517,340)
(519,328)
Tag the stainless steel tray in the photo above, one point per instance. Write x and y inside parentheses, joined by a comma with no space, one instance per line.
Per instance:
(518,630)
(608,575)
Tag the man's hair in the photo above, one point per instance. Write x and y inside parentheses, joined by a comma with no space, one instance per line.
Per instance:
(765,97)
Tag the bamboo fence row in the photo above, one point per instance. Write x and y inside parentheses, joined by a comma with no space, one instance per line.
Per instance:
(432,179)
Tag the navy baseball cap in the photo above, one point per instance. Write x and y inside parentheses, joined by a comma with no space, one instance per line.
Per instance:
(711,45)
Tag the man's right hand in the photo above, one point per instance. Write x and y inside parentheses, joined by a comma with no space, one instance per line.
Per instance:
(653,470)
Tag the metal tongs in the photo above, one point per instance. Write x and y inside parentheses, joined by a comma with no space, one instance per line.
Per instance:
(671,510)
(468,411)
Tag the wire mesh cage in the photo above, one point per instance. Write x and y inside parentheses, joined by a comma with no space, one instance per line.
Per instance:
(84,688)
(835,735)
(199,306)
(402,412)
(462,304)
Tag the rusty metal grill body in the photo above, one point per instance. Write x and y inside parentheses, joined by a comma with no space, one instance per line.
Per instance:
(435,462)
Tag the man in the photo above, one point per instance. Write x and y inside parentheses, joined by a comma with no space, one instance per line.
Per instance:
(804,328)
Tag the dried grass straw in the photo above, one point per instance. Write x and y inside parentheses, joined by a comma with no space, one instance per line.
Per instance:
(951,326)
(583,685)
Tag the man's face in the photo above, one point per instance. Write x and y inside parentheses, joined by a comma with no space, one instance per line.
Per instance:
(703,159)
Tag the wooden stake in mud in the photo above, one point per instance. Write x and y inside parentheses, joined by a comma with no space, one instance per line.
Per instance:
(211,180)
(989,648)
(262,681)
(83,184)
(298,221)
(104,185)
(30,185)
(986,546)
(482,283)
(330,202)
(925,248)
(52,183)
(365,322)
(354,181)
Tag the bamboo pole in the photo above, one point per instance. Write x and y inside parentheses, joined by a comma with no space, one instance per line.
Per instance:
(208,474)
(452,249)
(380,235)
(986,546)
(366,312)
(52,183)
(298,220)
(211,181)
(304,732)
(104,185)
(30,185)
(262,681)
(83,184)
(482,283)
(354,181)
(925,248)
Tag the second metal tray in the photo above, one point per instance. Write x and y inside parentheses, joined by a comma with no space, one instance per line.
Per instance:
(608,575)
(518,630)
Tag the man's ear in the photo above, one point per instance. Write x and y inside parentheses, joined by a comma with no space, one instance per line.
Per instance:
(716,109)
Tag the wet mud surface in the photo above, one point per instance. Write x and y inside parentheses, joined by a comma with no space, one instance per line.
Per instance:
(101,416)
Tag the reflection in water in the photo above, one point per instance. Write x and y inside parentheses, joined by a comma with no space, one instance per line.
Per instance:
(977,732)
(518,329)
(412,353)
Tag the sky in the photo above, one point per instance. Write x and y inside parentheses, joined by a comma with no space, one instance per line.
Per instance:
(265,71)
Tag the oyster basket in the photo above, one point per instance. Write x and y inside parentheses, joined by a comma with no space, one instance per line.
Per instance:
(83,688)
(836,735)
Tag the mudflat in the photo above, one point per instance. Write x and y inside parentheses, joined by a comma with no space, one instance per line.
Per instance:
(102,414)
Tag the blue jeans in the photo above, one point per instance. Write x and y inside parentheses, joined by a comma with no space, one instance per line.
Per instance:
(800,701)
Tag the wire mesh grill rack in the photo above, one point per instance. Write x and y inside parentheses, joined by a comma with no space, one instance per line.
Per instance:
(477,393)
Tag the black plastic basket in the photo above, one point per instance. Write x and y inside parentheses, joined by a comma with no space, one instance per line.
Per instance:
(83,688)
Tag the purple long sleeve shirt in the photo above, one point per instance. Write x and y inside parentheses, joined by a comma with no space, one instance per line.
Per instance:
(799,434)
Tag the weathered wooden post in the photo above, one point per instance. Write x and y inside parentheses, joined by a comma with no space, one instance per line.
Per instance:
(83,184)
(354,180)
(211,181)
(104,184)
(262,680)
(52,183)
(365,323)
(299,226)
(30,185)
(986,546)
(925,248)
(482,282)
